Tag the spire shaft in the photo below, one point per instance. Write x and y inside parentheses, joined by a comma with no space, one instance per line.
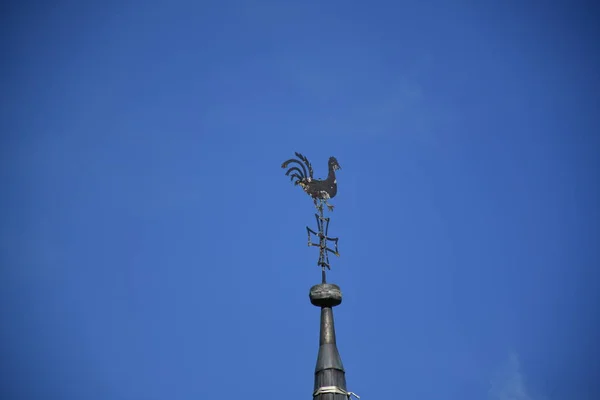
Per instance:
(329,371)
(327,335)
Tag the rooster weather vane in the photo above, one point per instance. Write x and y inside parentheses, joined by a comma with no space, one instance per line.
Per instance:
(321,190)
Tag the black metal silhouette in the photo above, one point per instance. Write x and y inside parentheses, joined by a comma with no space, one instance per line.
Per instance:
(318,189)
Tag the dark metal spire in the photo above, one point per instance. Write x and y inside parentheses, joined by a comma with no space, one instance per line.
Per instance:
(330,377)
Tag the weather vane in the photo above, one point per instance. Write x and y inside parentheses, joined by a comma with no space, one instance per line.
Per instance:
(320,190)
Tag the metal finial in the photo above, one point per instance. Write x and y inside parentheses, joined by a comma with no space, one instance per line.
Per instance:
(321,190)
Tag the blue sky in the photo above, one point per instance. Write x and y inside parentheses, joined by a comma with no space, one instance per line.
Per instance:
(151,245)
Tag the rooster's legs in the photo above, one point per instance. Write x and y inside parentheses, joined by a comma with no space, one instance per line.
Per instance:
(319,204)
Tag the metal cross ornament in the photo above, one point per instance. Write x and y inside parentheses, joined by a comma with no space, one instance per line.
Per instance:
(322,234)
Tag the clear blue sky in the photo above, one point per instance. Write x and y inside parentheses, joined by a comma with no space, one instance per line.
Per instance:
(151,245)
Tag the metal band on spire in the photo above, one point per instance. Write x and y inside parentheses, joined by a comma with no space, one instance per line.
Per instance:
(334,390)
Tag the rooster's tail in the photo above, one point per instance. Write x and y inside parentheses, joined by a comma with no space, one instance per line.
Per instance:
(300,174)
